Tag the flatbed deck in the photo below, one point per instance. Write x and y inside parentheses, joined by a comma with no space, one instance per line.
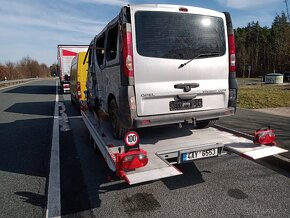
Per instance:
(165,146)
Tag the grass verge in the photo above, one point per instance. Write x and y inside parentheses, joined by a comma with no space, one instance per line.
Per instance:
(263,96)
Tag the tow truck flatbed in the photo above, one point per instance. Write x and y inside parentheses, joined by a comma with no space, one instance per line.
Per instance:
(169,145)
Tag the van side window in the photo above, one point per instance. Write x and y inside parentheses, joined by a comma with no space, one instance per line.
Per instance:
(111,47)
(100,51)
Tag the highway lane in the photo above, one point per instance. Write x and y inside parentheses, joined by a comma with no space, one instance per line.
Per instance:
(229,186)
(26,113)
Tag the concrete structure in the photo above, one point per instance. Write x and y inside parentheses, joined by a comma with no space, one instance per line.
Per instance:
(274,78)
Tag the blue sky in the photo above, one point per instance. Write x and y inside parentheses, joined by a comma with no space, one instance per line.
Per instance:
(35,27)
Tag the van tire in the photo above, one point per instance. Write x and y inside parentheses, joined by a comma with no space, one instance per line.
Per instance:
(119,130)
(205,124)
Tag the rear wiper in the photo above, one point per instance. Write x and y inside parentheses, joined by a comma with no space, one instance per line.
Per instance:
(198,56)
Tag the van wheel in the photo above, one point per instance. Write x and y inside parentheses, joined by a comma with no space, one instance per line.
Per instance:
(119,130)
(205,124)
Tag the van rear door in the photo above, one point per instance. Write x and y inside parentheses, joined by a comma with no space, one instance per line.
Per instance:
(180,60)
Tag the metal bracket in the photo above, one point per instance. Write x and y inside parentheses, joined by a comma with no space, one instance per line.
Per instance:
(186,86)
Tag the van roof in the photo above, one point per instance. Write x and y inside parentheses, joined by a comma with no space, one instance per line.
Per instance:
(175,8)
(162,7)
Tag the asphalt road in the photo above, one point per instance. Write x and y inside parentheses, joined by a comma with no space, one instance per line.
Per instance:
(25,125)
(228,186)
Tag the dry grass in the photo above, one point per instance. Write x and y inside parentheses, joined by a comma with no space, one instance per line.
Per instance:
(263,96)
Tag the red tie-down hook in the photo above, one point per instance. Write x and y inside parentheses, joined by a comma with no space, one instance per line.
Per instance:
(265,136)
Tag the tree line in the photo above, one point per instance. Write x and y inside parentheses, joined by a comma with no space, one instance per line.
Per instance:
(259,50)
(25,68)
(262,50)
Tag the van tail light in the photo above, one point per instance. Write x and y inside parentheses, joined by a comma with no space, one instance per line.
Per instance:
(132,159)
(232,53)
(79,93)
(131,162)
(127,51)
(233,85)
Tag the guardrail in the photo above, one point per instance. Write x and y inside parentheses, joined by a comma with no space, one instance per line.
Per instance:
(12,82)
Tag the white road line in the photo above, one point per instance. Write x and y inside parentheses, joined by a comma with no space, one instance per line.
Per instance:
(53,208)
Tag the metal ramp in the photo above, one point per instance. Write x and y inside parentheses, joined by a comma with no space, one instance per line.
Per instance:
(243,145)
(155,169)
(167,143)
(165,146)
(254,152)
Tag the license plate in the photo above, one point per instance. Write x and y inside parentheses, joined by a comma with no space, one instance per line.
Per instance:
(185,105)
(199,154)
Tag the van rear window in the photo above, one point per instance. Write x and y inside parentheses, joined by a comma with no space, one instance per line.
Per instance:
(178,35)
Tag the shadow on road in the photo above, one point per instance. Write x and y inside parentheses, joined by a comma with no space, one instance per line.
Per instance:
(72,110)
(74,192)
(275,164)
(191,176)
(32,198)
(25,146)
(34,108)
(34,89)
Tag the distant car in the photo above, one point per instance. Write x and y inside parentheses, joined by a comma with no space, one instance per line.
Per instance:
(286,77)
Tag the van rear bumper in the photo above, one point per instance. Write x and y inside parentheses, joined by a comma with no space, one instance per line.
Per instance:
(147,121)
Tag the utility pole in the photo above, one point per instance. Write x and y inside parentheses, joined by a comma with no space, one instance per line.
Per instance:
(286,3)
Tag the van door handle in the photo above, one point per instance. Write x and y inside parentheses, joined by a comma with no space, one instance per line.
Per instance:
(186,97)
(186,86)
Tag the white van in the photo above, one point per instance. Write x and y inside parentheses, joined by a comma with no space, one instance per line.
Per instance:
(163,64)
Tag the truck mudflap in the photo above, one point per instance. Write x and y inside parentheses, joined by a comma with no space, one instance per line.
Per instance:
(163,147)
